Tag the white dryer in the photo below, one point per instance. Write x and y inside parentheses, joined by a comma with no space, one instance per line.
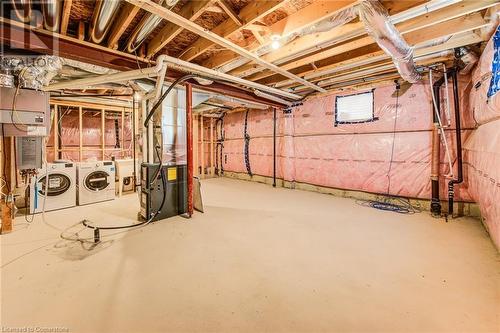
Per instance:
(61,191)
(96,182)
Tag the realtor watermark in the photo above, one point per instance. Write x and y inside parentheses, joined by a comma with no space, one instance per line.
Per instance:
(19,30)
(35,329)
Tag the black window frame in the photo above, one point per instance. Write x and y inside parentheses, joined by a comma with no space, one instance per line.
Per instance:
(337,122)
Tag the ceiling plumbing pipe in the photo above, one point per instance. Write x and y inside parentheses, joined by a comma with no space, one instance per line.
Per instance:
(151,72)
(378,25)
(51,10)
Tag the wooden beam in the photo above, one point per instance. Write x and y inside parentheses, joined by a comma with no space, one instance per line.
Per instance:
(230,12)
(323,40)
(305,17)
(54,128)
(259,37)
(65,16)
(316,12)
(13,33)
(196,146)
(124,18)
(191,10)
(103,133)
(249,14)
(166,14)
(454,42)
(449,27)
(212,153)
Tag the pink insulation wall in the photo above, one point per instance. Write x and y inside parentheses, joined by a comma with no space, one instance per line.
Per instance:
(312,150)
(91,136)
(482,148)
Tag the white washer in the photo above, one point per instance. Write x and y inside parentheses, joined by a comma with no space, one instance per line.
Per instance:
(61,188)
(96,182)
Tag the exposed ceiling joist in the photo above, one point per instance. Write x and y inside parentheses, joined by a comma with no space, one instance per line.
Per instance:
(457,41)
(230,12)
(249,14)
(168,15)
(310,43)
(191,10)
(293,23)
(428,32)
(125,17)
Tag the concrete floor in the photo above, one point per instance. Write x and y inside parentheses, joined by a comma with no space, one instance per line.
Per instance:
(259,260)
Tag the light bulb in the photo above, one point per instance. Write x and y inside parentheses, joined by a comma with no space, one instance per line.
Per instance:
(275,44)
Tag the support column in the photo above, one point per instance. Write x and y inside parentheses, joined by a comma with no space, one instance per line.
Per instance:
(212,147)
(196,146)
(80,132)
(189,139)
(202,127)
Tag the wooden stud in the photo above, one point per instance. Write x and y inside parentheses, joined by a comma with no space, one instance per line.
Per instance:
(123,134)
(202,127)
(103,133)
(80,133)
(54,128)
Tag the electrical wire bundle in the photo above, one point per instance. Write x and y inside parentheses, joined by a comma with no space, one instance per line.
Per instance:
(247,146)
(392,203)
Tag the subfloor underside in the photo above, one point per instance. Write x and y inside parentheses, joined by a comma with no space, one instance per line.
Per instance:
(259,259)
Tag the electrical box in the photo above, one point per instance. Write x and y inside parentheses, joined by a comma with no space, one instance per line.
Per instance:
(28,116)
(153,191)
(29,152)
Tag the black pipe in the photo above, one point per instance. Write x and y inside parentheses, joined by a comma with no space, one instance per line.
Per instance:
(274,147)
(435,200)
(134,142)
(458,134)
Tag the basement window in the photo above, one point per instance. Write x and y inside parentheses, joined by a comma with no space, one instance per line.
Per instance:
(353,109)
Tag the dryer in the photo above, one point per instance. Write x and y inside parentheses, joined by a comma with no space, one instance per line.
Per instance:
(96,182)
(61,191)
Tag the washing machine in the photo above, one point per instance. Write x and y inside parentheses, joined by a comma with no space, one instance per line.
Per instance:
(61,191)
(96,182)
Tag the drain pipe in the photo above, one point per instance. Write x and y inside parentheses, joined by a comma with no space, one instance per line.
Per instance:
(436,150)
(458,129)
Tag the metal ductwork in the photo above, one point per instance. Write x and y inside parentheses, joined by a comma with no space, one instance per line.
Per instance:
(378,25)
(148,23)
(22,10)
(104,15)
(51,10)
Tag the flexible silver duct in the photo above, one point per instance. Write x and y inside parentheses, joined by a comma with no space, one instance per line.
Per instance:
(378,25)
(51,10)
(34,73)
(146,27)
(104,15)
(22,10)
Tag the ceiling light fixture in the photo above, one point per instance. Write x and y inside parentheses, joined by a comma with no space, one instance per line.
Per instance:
(275,44)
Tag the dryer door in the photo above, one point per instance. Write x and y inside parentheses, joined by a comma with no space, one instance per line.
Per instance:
(58,184)
(97,181)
